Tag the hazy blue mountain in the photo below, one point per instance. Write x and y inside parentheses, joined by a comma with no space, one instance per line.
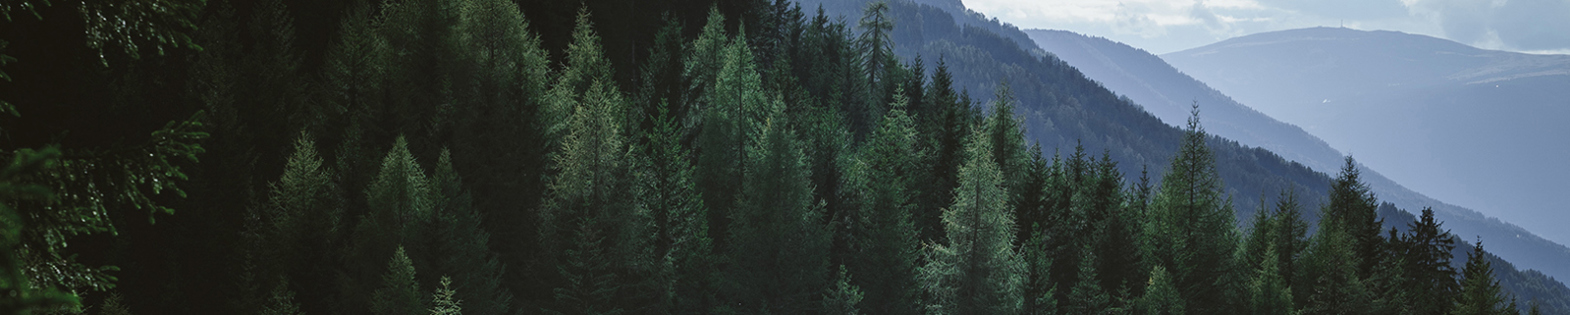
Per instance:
(1163,91)
(1062,108)
(1167,93)
(1480,128)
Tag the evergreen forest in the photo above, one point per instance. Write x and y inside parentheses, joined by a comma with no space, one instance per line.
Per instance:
(491,157)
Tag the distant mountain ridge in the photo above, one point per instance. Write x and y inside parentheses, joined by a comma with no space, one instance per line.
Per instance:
(1166,92)
(1481,128)
(1062,108)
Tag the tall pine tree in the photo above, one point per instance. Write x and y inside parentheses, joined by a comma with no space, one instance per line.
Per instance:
(883,245)
(1480,292)
(977,271)
(1191,227)
(779,242)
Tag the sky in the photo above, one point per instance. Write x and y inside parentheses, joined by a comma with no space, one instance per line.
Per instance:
(1163,26)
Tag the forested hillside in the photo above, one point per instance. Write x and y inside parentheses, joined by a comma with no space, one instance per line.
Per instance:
(1167,93)
(487,157)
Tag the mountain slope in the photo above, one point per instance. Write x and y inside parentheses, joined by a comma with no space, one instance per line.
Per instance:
(1166,92)
(1481,128)
(1061,108)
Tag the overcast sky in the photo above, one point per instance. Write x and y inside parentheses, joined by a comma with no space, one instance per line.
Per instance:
(1163,26)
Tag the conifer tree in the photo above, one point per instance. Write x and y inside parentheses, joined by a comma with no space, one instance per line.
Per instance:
(498,138)
(1330,269)
(1087,296)
(426,68)
(1352,209)
(585,66)
(591,281)
(877,40)
(295,232)
(882,239)
(681,221)
(444,302)
(400,207)
(977,270)
(950,127)
(1008,141)
(595,220)
(843,297)
(780,245)
(1290,236)
(462,247)
(399,294)
(1425,266)
(1480,293)
(1267,290)
(1191,227)
(1283,232)
(1040,293)
(1117,239)
(353,82)
(735,109)
(1161,295)
(280,302)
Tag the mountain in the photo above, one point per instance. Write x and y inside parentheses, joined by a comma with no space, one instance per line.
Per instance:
(1480,128)
(1062,108)
(1166,92)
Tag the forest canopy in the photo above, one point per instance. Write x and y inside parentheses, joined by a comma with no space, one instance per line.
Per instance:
(604,157)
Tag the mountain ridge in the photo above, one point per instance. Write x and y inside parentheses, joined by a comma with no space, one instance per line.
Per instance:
(1145,78)
(1061,108)
(1446,119)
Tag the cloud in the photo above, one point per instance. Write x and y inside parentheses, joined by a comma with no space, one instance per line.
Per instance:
(1136,21)
(1533,24)
(1343,9)
(1209,19)
(1501,24)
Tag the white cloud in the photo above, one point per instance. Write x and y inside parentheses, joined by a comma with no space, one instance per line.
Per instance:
(1170,25)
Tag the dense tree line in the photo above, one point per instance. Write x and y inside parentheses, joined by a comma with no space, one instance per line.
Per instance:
(442,157)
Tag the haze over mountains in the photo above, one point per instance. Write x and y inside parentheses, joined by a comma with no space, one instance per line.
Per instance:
(1167,93)
(1479,128)
(1060,109)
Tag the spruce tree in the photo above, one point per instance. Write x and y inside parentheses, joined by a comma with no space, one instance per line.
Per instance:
(844,297)
(1480,293)
(1008,141)
(400,206)
(1290,236)
(1352,209)
(1161,295)
(1117,236)
(877,40)
(294,234)
(399,294)
(735,108)
(1267,289)
(595,220)
(1330,269)
(1087,295)
(950,126)
(1425,270)
(1191,229)
(977,271)
(498,138)
(1040,293)
(444,301)
(882,239)
(681,231)
(462,249)
(779,242)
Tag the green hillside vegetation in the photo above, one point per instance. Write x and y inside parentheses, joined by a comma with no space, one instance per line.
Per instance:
(456,156)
